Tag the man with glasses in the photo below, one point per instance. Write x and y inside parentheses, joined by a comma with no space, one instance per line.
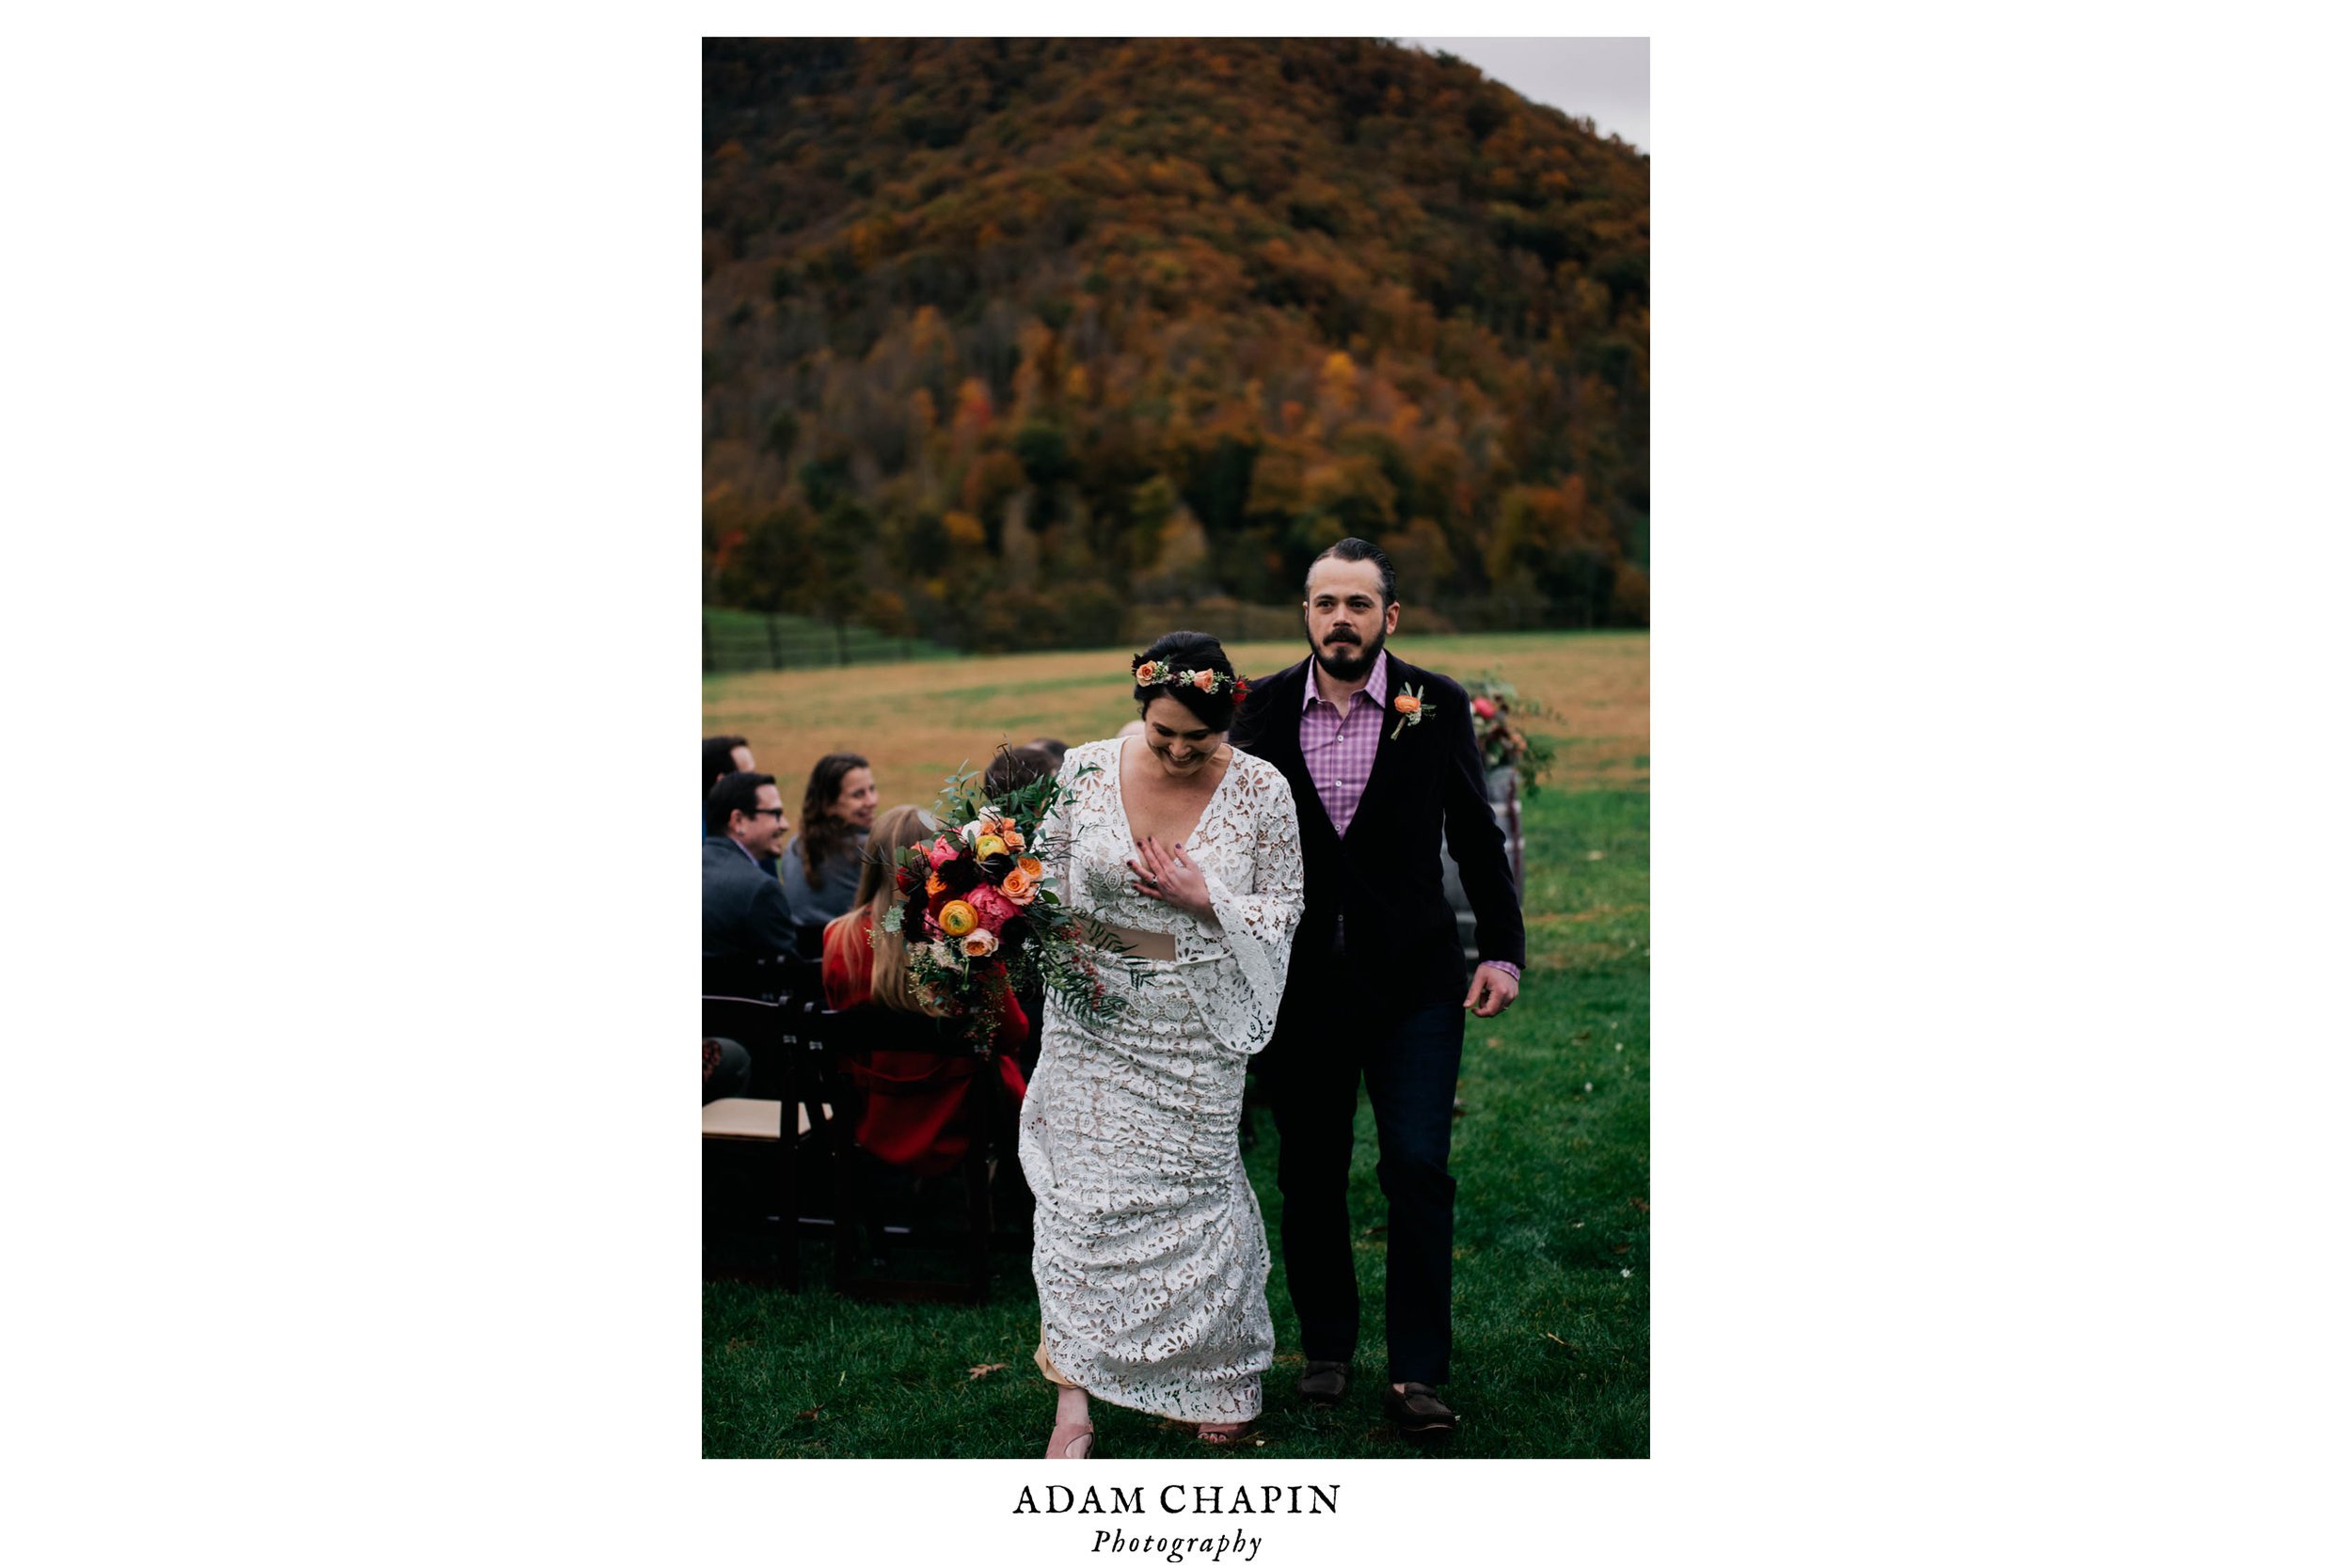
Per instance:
(744,914)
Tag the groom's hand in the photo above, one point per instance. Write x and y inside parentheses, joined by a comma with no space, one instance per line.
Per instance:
(1491,991)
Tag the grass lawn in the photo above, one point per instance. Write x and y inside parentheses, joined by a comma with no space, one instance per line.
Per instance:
(1551,1278)
(916,721)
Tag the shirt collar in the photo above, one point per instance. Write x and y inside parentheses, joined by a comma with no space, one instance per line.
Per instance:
(1376,687)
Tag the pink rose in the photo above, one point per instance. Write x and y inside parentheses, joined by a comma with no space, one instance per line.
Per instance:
(992,907)
(1483,706)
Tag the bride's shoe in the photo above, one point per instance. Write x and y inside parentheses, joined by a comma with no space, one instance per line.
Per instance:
(1070,1440)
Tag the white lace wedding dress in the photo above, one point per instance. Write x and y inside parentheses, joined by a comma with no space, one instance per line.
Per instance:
(1151,1257)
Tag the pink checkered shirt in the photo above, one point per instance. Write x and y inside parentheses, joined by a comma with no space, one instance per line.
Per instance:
(1340,749)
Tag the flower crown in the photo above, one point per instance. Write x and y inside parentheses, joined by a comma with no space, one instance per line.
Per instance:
(1160,673)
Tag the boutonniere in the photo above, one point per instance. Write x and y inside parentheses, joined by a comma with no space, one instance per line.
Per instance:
(1408,707)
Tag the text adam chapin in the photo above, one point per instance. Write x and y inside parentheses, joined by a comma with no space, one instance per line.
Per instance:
(1176,1498)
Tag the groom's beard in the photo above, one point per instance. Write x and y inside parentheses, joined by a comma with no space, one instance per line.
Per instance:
(1349,662)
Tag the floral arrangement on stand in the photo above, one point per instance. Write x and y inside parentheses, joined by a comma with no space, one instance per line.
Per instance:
(1500,743)
(982,917)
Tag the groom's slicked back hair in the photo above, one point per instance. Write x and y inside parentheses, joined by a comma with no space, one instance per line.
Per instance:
(1353,548)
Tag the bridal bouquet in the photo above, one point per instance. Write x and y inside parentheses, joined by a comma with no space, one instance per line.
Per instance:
(984,919)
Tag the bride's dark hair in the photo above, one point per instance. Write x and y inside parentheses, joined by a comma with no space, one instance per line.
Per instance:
(1191,650)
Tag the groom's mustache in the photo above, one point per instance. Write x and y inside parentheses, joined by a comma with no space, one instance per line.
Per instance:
(1341,637)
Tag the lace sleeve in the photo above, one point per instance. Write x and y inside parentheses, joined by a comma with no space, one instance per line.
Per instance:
(1058,824)
(1256,895)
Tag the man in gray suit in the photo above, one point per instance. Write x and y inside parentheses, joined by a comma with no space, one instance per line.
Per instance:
(743,908)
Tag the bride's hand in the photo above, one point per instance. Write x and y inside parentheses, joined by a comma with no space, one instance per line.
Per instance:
(1168,876)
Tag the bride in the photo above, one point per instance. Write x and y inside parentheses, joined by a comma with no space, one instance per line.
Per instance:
(1151,1259)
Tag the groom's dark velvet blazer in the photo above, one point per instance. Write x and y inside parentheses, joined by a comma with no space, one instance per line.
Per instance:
(1385,877)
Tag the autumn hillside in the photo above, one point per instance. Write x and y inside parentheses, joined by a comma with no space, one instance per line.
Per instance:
(1009,341)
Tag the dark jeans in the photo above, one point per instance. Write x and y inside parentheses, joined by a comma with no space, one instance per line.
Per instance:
(1407,1061)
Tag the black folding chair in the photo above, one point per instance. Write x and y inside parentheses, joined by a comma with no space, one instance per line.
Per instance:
(840,1048)
(764,1140)
(768,979)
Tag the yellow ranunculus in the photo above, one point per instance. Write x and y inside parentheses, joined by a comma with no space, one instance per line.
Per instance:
(958,918)
(989,846)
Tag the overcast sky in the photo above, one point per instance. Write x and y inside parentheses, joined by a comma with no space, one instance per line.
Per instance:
(1605,79)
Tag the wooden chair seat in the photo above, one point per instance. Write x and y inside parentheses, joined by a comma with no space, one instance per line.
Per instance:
(752,1120)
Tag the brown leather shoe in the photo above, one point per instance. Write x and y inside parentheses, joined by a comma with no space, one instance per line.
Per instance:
(1420,1416)
(1323,1383)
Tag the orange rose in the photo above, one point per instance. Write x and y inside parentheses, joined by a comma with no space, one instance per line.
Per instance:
(1017,886)
(1407,704)
(1205,680)
(1000,827)
(1148,674)
(1033,868)
(979,945)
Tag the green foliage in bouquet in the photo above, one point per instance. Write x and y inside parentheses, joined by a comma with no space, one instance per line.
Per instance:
(984,919)
(1501,743)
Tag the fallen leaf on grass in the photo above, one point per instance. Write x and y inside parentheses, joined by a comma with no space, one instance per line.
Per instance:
(808,1415)
(1627,1247)
(1595,854)
(992,1366)
(1556,1339)
(1639,1203)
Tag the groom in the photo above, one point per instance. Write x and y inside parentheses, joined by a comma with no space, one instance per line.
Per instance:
(1383,767)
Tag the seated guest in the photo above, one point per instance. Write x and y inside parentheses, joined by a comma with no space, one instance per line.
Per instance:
(726,1069)
(1052,748)
(913,1115)
(820,867)
(744,914)
(723,754)
(1015,766)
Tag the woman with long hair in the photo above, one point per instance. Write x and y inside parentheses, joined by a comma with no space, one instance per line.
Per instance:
(1151,1257)
(862,962)
(820,867)
(913,1110)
